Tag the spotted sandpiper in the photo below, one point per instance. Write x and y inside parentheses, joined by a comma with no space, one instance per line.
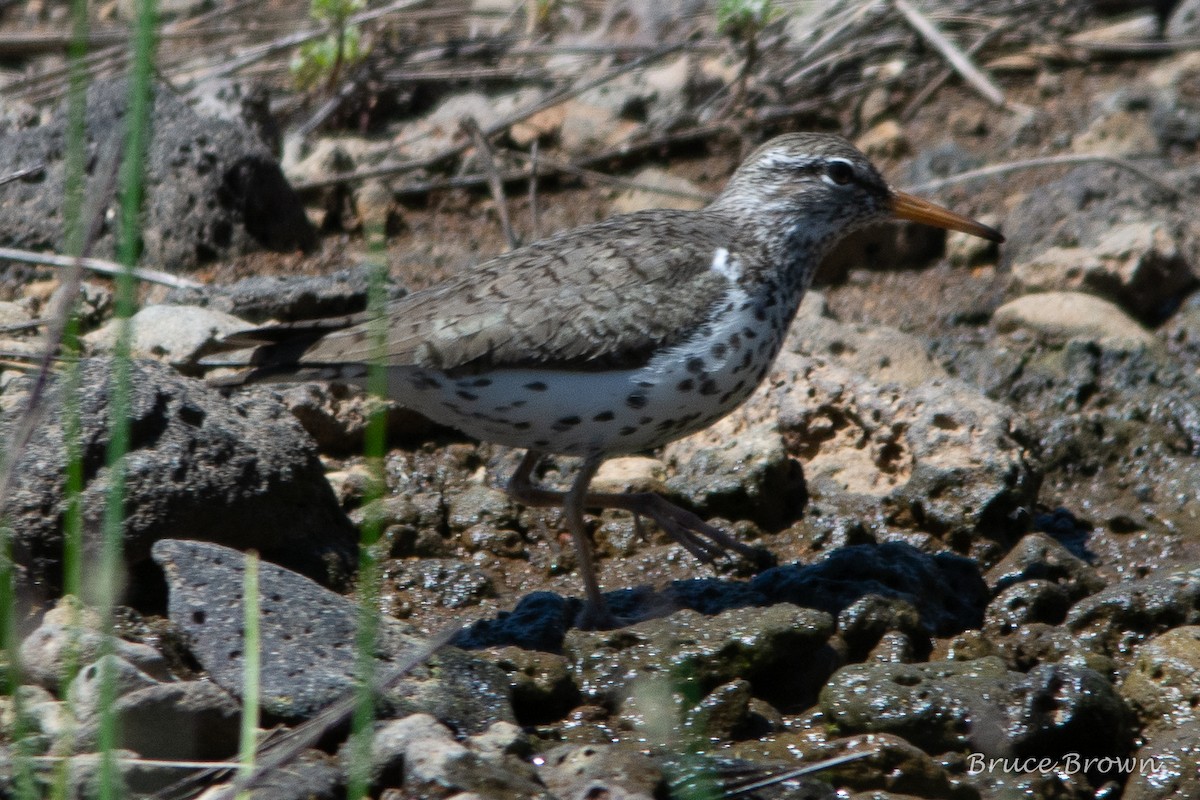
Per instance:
(616,337)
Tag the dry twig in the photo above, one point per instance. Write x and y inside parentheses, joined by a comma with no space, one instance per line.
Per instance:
(487,158)
(98,265)
(1045,161)
(959,60)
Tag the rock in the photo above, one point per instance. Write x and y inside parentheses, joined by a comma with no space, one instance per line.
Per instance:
(588,128)
(630,474)
(1167,766)
(658,188)
(884,140)
(1117,132)
(1136,264)
(31,713)
(939,456)
(66,639)
(444,582)
(596,770)
(1184,22)
(981,707)
(1023,603)
(187,721)
(738,469)
(946,590)
(1065,315)
(213,189)
(172,334)
(85,690)
(315,628)
(543,688)
(1118,619)
(1165,680)
(757,644)
(441,128)
(288,298)
(13,314)
(1039,557)
(199,466)
(313,775)
(432,763)
(337,415)
(1086,206)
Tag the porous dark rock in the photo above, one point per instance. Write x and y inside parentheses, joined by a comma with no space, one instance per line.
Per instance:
(199,466)
(214,189)
(315,632)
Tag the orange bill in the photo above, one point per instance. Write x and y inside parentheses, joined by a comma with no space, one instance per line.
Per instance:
(914,209)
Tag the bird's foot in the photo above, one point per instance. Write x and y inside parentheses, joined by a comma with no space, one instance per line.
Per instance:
(704,541)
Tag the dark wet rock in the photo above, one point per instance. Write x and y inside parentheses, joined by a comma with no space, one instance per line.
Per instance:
(199,467)
(189,720)
(601,770)
(420,755)
(946,590)
(1167,765)
(68,637)
(213,190)
(543,688)
(1117,620)
(1184,21)
(981,706)
(1163,686)
(1116,428)
(864,623)
(1086,206)
(1027,646)
(316,630)
(721,714)
(1041,557)
(894,766)
(85,690)
(1026,602)
(779,649)
(288,298)
(445,582)
(692,775)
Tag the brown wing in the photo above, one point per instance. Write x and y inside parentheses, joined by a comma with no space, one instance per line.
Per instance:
(605,294)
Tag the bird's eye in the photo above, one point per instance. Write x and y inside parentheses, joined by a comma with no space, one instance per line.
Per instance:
(839,172)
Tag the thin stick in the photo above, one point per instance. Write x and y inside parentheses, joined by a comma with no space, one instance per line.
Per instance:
(22,173)
(535,221)
(958,59)
(553,99)
(927,91)
(487,157)
(1045,161)
(98,265)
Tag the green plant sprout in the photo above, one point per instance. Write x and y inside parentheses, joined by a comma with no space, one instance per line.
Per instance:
(323,59)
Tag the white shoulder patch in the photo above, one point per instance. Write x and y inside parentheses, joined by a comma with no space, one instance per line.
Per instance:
(722,264)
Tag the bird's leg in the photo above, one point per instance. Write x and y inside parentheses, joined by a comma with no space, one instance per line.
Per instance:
(595,611)
(702,540)
(520,488)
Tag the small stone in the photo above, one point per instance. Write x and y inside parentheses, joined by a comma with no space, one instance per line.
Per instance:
(885,140)
(174,334)
(1164,684)
(630,474)
(1065,315)
(674,194)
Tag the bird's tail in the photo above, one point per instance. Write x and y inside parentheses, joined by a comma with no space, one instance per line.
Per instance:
(275,354)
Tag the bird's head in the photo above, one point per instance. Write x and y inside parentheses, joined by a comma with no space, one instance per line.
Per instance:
(816,188)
